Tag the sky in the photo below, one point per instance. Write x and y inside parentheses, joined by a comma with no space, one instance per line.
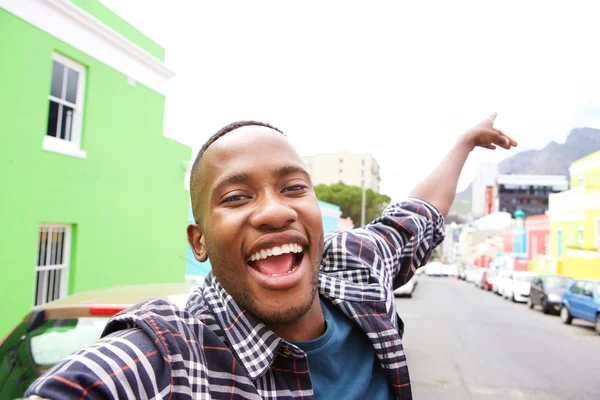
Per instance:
(401,80)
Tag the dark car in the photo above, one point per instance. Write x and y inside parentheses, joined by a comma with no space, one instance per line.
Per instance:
(547,292)
(56,329)
(582,300)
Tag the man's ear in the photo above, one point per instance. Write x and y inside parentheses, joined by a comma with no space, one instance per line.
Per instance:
(196,241)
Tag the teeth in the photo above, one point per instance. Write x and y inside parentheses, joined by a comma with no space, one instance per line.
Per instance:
(276,251)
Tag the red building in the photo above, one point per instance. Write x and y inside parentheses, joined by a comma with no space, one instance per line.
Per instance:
(538,235)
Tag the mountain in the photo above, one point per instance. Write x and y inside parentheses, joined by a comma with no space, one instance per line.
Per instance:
(554,159)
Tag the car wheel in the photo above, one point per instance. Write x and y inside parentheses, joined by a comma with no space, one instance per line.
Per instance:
(565,315)
(512,298)
(598,324)
(545,307)
(529,303)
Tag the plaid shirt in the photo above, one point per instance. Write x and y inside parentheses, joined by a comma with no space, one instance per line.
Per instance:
(215,349)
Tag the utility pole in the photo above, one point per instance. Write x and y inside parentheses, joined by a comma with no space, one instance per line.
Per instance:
(363,208)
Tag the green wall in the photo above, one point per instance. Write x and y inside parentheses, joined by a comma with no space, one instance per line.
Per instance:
(126,199)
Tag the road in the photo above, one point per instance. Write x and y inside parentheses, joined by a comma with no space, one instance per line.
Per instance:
(464,343)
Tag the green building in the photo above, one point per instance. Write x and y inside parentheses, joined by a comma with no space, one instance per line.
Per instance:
(92,191)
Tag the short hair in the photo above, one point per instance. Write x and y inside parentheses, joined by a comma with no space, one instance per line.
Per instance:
(195,176)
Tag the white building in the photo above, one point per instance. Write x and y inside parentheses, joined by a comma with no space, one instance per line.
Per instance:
(345,167)
(484,178)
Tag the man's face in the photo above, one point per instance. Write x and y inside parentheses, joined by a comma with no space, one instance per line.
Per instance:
(261,223)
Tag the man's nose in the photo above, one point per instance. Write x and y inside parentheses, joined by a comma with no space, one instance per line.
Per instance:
(273,213)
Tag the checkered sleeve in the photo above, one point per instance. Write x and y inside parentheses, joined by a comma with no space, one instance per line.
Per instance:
(124,365)
(410,231)
(394,245)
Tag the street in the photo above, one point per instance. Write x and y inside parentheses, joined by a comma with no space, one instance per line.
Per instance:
(464,343)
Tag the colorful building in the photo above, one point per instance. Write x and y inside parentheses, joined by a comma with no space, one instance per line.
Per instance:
(575,221)
(92,191)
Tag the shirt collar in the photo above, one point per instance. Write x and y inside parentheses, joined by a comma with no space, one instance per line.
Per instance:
(251,341)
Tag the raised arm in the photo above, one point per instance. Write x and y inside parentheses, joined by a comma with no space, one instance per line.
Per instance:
(439,188)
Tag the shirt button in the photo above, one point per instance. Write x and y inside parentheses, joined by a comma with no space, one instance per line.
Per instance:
(287,351)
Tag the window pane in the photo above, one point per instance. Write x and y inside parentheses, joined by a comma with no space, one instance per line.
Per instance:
(58,71)
(66,122)
(72,77)
(52,119)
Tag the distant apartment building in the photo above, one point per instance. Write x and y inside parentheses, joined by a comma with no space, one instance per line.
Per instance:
(342,166)
(484,179)
(527,192)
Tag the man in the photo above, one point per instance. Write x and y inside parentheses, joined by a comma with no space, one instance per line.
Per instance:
(285,313)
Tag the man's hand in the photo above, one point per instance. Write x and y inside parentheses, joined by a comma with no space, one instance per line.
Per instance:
(485,135)
(439,188)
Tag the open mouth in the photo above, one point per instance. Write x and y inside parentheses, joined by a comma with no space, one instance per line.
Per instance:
(277,260)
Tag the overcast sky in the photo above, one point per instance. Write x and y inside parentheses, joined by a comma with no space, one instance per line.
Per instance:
(401,80)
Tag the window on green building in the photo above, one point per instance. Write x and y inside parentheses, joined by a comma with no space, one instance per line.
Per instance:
(63,132)
(52,270)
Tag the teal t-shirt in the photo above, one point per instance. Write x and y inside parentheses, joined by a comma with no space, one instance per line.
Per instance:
(342,362)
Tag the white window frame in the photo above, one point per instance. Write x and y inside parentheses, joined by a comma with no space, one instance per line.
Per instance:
(70,147)
(46,274)
(559,242)
(580,238)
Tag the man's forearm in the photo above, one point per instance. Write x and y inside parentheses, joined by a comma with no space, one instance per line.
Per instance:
(439,188)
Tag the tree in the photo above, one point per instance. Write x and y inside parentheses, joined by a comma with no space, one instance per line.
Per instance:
(349,199)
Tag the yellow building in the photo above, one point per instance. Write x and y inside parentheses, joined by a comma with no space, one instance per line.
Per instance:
(575,220)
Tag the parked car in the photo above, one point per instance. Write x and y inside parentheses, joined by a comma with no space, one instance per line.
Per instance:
(582,300)
(434,269)
(518,288)
(471,274)
(408,288)
(54,330)
(478,276)
(485,283)
(502,281)
(547,292)
(449,270)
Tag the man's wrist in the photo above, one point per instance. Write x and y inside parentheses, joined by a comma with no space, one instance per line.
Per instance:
(466,142)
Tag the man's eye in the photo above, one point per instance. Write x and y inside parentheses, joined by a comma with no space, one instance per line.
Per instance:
(294,188)
(232,199)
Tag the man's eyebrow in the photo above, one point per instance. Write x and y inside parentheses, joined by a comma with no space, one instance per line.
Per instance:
(231,179)
(290,169)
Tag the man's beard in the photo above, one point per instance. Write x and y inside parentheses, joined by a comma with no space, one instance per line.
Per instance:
(281,316)
(246,301)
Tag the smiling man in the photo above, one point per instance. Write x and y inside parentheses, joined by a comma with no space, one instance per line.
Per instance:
(286,313)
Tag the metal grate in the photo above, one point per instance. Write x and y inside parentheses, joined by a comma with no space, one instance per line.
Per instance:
(52,268)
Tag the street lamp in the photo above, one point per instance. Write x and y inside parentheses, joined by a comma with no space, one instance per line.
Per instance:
(363,207)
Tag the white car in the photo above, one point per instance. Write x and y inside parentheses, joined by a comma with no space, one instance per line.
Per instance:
(471,275)
(434,269)
(519,287)
(407,289)
(503,279)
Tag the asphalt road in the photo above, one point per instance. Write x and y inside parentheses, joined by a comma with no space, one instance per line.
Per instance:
(464,343)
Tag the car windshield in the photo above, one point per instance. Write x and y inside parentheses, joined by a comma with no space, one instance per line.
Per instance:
(56,339)
(24,356)
(556,282)
(598,289)
(524,278)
